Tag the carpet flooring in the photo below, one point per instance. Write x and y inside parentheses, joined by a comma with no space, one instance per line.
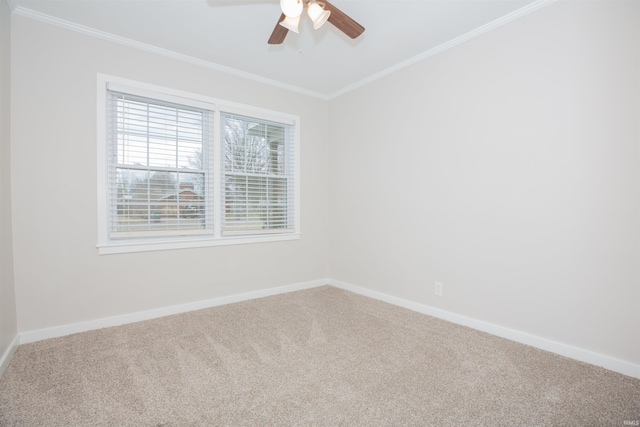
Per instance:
(318,357)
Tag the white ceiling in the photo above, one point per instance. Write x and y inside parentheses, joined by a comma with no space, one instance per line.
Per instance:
(232,34)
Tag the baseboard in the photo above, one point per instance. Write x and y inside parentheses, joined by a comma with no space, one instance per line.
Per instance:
(8,354)
(576,353)
(58,331)
(583,355)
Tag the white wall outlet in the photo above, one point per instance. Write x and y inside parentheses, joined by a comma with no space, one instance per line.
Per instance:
(438,289)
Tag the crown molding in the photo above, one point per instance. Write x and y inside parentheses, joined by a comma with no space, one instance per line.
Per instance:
(538,4)
(42,17)
(29,13)
(12,5)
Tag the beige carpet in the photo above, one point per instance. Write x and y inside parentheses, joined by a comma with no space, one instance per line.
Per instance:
(322,357)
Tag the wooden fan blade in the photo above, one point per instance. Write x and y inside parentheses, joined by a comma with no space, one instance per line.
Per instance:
(342,22)
(279,32)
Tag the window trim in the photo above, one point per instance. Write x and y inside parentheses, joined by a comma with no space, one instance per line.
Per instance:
(107,245)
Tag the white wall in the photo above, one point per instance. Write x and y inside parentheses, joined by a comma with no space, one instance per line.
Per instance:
(507,168)
(59,277)
(8,328)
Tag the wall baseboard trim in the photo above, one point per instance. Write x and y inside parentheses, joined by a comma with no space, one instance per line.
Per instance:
(59,331)
(8,354)
(576,353)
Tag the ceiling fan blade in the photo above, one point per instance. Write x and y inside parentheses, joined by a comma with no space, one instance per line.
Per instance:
(279,32)
(342,22)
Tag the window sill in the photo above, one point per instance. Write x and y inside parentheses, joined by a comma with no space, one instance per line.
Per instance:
(115,247)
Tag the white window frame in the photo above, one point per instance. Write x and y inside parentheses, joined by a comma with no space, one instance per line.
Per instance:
(107,245)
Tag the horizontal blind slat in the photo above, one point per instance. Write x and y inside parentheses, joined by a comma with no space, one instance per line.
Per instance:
(158,178)
(258,180)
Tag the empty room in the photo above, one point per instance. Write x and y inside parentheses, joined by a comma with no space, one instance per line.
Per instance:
(320,213)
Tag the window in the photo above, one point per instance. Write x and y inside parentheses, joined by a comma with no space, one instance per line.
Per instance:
(257,185)
(159,173)
(179,170)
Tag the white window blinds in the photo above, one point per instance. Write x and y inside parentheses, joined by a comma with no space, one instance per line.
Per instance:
(258,183)
(184,170)
(159,177)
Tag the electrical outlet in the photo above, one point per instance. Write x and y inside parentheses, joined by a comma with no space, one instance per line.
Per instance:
(438,289)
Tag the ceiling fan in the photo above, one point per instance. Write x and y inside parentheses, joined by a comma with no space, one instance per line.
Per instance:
(319,13)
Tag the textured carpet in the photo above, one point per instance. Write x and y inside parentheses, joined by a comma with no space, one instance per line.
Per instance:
(322,356)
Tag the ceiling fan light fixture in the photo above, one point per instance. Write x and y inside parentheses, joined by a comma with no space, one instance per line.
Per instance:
(292,8)
(291,23)
(318,14)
